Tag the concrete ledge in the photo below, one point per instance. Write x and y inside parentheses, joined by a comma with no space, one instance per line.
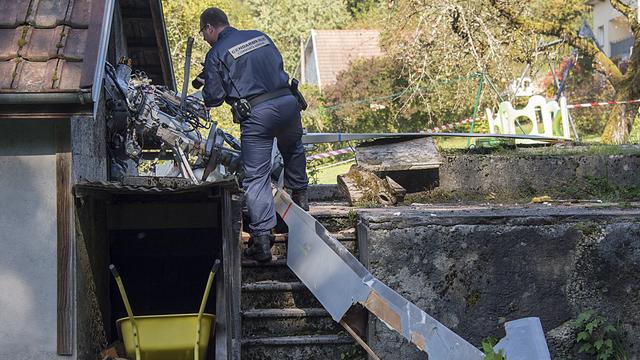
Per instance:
(325,192)
(524,174)
(475,268)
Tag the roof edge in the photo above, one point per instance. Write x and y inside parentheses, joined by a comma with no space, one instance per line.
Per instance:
(58,97)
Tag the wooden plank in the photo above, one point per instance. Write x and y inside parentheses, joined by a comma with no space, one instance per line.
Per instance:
(65,240)
(364,345)
(228,307)
(362,232)
(393,155)
(221,318)
(236,281)
(162,43)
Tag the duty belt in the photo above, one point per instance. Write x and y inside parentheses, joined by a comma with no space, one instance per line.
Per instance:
(268,96)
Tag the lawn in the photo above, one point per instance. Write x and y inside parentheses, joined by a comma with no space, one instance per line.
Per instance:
(328,175)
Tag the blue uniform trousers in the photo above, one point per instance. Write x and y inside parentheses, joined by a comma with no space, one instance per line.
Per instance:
(277,118)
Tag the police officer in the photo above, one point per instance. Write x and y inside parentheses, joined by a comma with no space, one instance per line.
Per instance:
(245,69)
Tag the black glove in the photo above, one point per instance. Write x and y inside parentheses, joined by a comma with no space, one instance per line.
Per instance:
(197,84)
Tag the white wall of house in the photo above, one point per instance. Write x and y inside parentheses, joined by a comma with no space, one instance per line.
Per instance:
(310,67)
(611,28)
(28,239)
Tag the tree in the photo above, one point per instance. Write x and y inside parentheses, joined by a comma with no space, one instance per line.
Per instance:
(439,51)
(625,83)
(182,19)
(286,21)
(497,37)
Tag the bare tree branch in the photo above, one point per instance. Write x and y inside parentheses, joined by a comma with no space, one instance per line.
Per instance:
(628,12)
(602,62)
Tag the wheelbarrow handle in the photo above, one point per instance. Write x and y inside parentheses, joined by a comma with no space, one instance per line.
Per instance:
(216,266)
(114,271)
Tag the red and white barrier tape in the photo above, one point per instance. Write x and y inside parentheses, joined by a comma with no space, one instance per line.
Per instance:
(329,154)
(606,103)
(469,121)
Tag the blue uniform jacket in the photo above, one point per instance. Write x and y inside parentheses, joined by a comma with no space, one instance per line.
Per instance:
(242,64)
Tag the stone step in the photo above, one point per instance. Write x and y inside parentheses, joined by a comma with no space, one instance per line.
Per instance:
(313,347)
(257,273)
(253,271)
(277,295)
(276,261)
(325,193)
(288,322)
(334,216)
(347,234)
(279,249)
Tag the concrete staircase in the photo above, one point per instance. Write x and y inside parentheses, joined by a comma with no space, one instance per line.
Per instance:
(281,319)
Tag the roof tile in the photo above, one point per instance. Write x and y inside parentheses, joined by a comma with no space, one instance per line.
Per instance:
(7,69)
(74,44)
(48,13)
(9,42)
(337,48)
(13,13)
(79,17)
(35,76)
(68,76)
(43,44)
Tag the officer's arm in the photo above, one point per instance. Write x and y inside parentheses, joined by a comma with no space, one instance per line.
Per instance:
(213,92)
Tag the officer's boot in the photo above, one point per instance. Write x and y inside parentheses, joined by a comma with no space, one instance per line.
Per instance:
(300,198)
(260,247)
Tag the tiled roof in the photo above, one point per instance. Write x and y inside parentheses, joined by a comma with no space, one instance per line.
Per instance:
(335,49)
(42,44)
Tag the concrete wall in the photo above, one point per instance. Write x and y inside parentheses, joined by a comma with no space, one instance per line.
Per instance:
(526,174)
(88,146)
(473,269)
(28,240)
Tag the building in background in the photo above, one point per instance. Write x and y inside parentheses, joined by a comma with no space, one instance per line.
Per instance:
(326,53)
(612,29)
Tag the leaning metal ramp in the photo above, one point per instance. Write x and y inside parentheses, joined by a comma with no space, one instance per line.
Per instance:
(338,280)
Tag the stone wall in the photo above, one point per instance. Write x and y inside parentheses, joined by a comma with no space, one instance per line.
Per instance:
(475,268)
(531,172)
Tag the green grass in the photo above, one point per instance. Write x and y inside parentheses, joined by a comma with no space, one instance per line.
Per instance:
(328,175)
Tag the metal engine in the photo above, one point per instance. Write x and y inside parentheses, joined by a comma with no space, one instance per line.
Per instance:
(146,121)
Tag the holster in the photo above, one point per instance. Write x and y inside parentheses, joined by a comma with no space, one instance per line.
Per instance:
(296,92)
(240,110)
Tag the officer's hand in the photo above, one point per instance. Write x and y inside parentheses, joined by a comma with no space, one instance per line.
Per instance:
(198,82)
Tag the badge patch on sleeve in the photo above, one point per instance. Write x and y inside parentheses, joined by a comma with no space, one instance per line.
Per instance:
(248,46)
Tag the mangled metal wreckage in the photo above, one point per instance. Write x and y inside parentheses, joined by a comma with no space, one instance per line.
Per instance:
(143,115)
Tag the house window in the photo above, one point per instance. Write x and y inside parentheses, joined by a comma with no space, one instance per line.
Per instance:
(622,49)
(600,36)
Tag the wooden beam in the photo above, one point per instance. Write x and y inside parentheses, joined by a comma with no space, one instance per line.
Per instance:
(162,43)
(65,240)
(364,345)
(231,213)
(235,223)
(362,234)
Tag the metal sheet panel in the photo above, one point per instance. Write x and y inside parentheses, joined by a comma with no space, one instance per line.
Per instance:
(318,138)
(338,280)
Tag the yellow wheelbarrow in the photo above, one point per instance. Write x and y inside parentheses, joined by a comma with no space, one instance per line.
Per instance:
(166,337)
